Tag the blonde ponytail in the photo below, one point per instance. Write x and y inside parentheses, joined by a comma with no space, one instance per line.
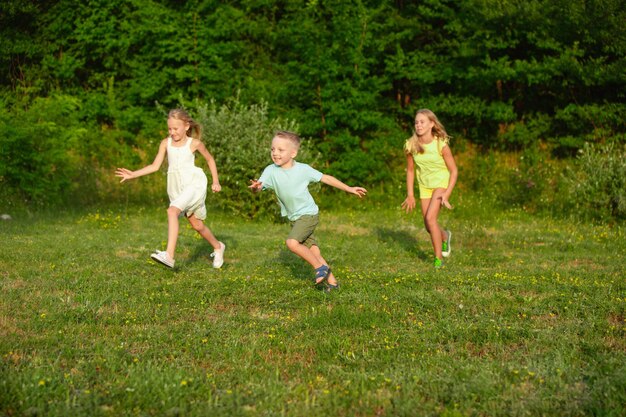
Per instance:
(195,129)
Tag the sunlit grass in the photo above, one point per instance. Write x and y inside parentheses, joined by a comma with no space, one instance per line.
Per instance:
(527,318)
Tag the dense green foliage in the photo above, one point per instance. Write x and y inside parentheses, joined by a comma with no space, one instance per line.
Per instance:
(241,137)
(527,319)
(597,184)
(501,74)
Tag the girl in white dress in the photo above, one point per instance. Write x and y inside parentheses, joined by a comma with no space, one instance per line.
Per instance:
(186,183)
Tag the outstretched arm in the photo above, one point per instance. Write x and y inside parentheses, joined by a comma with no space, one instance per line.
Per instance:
(127,174)
(215,187)
(409,202)
(332,181)
(255,185)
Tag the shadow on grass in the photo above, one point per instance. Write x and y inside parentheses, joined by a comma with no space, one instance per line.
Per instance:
(406,240)
(299,269)
(202,249)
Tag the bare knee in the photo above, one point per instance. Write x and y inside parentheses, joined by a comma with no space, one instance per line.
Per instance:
(197,225)
(430,223)
(292,244)
(173,211)
(316,250)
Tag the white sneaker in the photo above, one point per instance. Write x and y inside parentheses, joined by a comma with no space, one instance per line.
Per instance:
(164,258)
(446,245)
(218,256)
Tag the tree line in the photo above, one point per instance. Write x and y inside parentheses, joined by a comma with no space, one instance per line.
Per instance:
(501,74)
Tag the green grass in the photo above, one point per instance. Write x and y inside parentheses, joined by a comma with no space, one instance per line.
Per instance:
(527,318)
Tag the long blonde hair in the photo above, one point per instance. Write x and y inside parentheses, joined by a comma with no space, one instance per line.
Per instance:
(195,129)
(414,146)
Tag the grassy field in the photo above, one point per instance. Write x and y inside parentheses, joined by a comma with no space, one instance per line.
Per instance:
(528,318)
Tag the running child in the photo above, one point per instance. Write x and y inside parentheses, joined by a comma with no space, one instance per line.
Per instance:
(290,181)
(429,157)
(186,183)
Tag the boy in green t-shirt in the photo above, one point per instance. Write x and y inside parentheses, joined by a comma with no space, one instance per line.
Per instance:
(290,181)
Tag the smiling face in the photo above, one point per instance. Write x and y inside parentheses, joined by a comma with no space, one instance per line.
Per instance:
(423,125)
(177,129)
(283,151)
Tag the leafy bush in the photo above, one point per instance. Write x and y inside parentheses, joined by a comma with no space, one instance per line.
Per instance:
(527,179)
(525,133)
(593,123)
(596,183)
(38,150)
(239,138)
(533,180)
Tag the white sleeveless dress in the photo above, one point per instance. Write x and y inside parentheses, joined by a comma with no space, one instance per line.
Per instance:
(186,183)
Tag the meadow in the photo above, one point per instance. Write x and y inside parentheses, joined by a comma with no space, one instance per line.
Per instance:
(528,317)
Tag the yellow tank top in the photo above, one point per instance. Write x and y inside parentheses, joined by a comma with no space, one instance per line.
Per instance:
(430,167)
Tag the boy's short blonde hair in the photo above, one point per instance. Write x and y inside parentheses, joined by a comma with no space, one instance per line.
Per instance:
(290,136)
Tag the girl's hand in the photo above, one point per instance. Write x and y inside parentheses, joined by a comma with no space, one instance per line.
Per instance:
(408,204)
(359,191)
(446,203)
(124,174)
(216,187)
(255,185)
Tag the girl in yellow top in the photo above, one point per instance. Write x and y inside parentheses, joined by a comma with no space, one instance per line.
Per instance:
(429,157)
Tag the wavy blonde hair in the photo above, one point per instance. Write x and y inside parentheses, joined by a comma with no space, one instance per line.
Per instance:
(439,132)
(195,129)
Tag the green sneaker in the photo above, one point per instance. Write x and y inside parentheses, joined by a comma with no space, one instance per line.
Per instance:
(446,248)
(438,263)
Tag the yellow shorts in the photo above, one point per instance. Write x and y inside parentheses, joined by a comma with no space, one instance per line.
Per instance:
(426,193)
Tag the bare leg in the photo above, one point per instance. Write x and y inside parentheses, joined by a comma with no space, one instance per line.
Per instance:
(430,211)
(172,230)
(304,252)
(199,226)
(311,255)
(316,251)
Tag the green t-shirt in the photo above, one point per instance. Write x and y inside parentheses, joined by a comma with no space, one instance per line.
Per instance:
(292,188)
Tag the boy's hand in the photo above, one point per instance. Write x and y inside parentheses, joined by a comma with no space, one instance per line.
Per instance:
(255,185)
(359,191)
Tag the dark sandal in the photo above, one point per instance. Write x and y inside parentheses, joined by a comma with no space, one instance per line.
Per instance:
(331,287)
(321,274)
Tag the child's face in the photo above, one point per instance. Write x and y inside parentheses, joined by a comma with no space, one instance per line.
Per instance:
(177,129)
(423,125)
(283,152)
